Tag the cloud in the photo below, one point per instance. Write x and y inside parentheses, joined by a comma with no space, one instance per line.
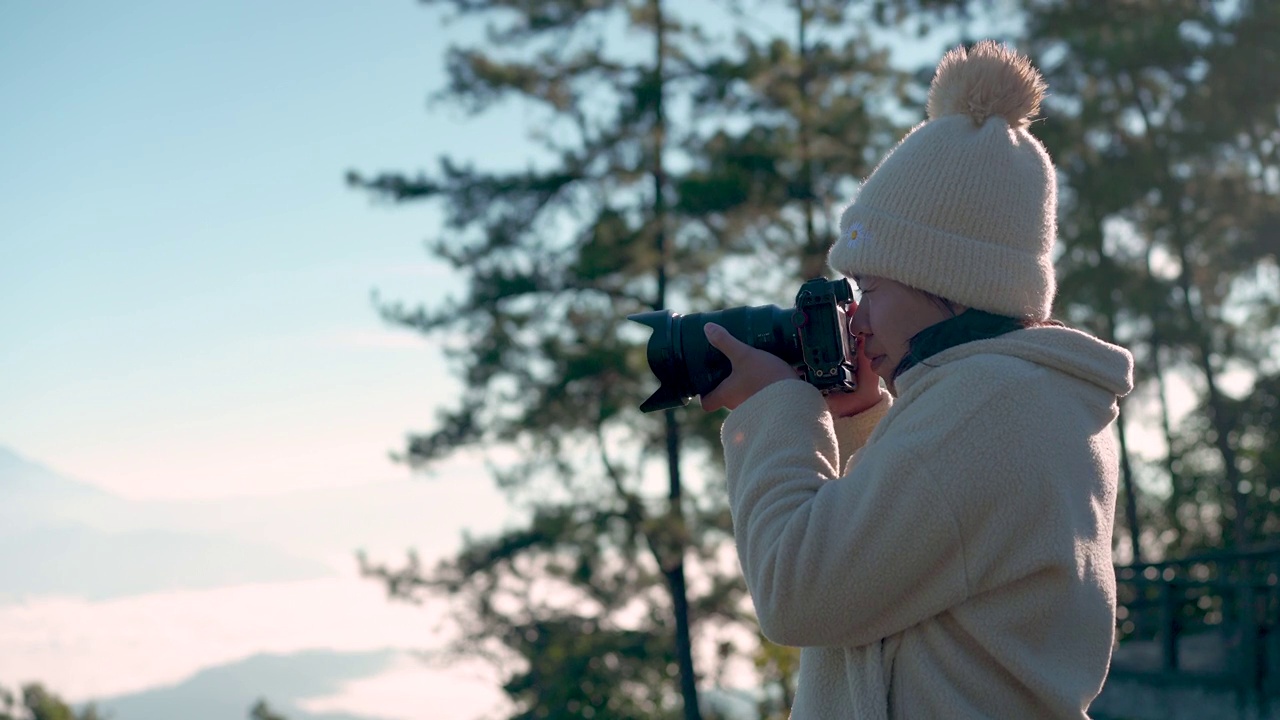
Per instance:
(91,563)
(406,687)
(90,649)
(94,649)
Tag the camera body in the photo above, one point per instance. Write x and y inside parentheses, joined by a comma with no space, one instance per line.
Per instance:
(812,336)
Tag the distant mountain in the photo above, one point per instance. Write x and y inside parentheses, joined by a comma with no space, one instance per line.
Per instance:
(228,691)
(61,536)
(20,472)
(32,495)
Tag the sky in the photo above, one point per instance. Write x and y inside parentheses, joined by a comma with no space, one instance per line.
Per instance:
(187,324)
(185,278)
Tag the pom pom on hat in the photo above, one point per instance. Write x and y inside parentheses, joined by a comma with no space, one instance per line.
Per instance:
(991,80)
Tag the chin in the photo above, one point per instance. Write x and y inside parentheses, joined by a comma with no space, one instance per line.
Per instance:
(888,382)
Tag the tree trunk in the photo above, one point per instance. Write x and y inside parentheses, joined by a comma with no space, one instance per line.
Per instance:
(1130,491)
(1166,425)
(813,259)
(1217,416)
(675,576)
(1126,465)
(674,572)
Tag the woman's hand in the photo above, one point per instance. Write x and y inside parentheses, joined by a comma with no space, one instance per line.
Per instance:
(753,370)
(868,393)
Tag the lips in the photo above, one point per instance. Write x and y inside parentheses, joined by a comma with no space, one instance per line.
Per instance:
(877,361)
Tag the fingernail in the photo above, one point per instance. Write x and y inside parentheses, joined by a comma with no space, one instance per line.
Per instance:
(711,330)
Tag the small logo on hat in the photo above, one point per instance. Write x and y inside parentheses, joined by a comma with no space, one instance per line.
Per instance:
(856,232)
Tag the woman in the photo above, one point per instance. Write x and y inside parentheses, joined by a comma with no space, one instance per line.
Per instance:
(941,548)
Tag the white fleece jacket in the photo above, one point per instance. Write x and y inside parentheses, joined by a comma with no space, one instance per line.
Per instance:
(958,565)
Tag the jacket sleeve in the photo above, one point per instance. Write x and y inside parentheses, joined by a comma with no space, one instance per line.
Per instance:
(852,432)
(834,560)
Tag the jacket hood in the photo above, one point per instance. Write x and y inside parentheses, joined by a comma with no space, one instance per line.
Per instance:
(1072,352)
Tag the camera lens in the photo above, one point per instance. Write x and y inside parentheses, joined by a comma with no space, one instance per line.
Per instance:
(687,365)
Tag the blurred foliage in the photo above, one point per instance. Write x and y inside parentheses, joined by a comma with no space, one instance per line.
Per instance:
(262,711)
(1163,119)
(694,165)
(34,702)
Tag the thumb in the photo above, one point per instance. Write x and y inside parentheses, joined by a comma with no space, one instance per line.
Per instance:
(723,341)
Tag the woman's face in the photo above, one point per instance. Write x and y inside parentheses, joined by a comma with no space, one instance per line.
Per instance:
(889,314)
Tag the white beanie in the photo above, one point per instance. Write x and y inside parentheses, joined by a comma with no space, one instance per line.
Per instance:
(965,206)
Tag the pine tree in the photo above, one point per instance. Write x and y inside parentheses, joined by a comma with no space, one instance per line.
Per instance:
(1168,123)
(556,258)
(679,166)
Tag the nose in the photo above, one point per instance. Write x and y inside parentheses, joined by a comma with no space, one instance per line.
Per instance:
(858,323)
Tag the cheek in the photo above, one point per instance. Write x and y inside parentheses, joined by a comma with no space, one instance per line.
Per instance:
(889,331)
(882,323)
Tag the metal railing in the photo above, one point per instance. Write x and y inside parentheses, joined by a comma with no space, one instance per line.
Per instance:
(1212,619)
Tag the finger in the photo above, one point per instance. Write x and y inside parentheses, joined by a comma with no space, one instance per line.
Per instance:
(865,375)
(716,399)
(863,361)
(711,401)
(723,341)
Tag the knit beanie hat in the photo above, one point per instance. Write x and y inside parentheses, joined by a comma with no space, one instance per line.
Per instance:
(965,205)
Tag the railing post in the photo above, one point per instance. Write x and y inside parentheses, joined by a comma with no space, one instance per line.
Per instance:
(1250,675)
(1168,626)
(1271,662)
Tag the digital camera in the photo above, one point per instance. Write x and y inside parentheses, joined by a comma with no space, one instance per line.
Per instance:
(812,336)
